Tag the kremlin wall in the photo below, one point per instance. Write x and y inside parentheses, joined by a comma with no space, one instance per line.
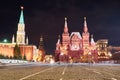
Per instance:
(7,49)
(70,47)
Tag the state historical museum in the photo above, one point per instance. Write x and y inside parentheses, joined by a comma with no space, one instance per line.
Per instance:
(75,47)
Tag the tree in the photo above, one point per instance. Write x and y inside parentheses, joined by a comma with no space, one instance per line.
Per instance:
(11,57)
(24,58)
(1,56)
(17,53)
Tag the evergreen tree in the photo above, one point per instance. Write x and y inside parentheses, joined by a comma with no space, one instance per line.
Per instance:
(17,53)
(1,56)
(24,58)
(11,57)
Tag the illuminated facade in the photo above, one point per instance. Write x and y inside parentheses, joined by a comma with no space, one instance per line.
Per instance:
(21,29)
(7,49)
(41,51)
(103,52)
(48,58)
(74,47)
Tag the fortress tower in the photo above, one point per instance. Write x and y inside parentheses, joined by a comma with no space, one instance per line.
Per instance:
(20,37)
(85,36)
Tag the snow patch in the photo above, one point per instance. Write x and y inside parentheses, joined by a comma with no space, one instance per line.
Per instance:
(12,61)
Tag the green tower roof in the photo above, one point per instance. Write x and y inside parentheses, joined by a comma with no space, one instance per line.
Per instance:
(21,20)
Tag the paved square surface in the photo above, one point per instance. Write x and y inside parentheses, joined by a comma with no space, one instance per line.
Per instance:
(60,72)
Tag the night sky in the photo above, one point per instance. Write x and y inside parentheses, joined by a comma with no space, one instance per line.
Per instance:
(46,17)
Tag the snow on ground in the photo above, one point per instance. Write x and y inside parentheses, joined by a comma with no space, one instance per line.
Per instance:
(12,61)
(20,62)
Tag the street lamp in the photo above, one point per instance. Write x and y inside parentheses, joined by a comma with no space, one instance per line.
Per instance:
(5,40)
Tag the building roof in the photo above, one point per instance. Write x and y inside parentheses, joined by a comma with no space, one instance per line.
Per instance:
(76,33)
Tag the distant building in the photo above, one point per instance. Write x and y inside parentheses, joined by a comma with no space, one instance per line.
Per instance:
(41,51)
(48,58)
(74,47)
(7,49)
(102,48)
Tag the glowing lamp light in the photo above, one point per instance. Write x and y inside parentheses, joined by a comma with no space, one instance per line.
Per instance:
(52,61)
(5,40)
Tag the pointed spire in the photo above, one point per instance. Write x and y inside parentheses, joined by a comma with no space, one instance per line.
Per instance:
(65,22)
(58,36)
(27,40)
(58,42)
(21,20)
(41,44)
(65,26)
(85,25)
(13,39)
(92,40)
(20,38)
(41,38)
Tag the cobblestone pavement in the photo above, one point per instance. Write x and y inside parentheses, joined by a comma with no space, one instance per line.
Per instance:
(60,72)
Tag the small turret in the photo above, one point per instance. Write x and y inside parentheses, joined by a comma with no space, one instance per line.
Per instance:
(85,38)
(41,44)
(65,26)
(65,35)
(92,41)
(58,43)
(85,25)
(13,40)
(27,41)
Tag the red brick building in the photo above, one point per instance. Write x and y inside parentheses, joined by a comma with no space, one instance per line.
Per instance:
(74,47)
